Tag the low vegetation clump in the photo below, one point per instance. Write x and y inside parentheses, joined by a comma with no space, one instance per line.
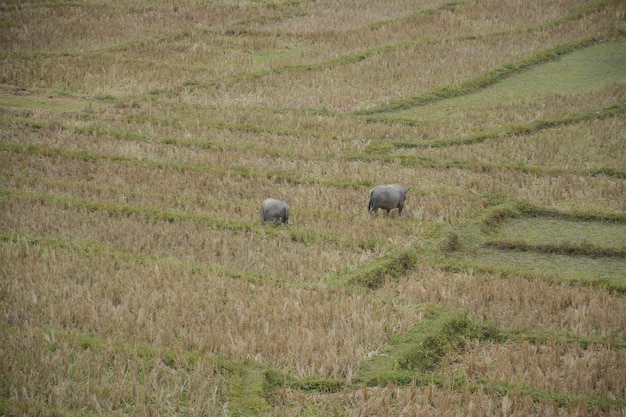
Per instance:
(138,140)
(450,338)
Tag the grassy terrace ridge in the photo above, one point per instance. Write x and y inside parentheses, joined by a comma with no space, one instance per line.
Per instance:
(584,255)
(581,249)
(481,82)
(301,234)
(90,128)
(612,110)
(242,171)
(377,150)
(137,141)
(90,248)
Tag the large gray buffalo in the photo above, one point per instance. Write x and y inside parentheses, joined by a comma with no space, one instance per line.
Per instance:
(387,197)
(274,211)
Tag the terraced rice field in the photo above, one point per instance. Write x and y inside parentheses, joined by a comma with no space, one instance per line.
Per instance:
(138,139)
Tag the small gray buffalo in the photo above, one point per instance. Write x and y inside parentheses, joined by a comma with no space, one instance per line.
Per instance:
(274,211)
(387,197)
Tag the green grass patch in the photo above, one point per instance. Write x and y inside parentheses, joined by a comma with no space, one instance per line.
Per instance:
(281,379)
(601,402)
(595,239)
(417,355)
(599,272)
(551,231)
(540,338)
(522,239)
(573,67)
(247,388)
(569,249)
(450,336)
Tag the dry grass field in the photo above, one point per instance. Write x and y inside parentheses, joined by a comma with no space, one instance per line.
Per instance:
(138,139)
